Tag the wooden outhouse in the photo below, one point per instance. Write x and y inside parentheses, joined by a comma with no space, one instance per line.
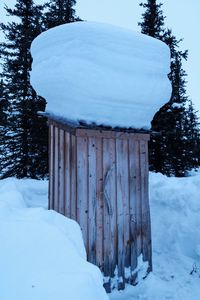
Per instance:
(99,177)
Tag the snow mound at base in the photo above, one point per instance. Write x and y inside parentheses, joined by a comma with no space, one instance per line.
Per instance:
(100,73)
(42,255)
(175,211)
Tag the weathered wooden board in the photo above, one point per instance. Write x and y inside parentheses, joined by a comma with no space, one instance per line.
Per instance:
(73,176)
(51,167)
(100,179)
(132,203)
(67,188)
(61,185)
(56,169)
(120,212)
(82,186)
(138,199)
(145,210)
(92,200)
(99,204)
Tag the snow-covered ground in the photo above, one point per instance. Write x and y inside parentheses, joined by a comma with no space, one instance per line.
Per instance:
(175,215)
(42,255)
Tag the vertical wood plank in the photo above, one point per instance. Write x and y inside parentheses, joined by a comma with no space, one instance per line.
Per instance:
(111,190)
(146,226)
(56,168)
(67,175)
(99,197)
(109,197)
(138,199)
(82,187)
(120,212)
(126,203)
(107,211)
(132,188)
(61,207)
(73,177)
(51,167)
(92,202)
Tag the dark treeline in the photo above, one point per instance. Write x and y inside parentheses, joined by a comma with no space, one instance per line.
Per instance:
(176,149)
(24,133)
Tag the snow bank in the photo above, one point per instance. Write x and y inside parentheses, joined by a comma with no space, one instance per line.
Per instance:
(100,73)
(42,255)
(175,211)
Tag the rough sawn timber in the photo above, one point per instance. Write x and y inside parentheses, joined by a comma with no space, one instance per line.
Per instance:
(100,179)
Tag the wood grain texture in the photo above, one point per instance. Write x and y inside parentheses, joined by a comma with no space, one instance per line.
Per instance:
(100,179)
(61,174)
(56,169)
(120,213)
(107,213)
(92,200)
(132,203)
(82,186)
(145,209)
(99,204)
(138,199)
(73,176)
(51,167)
(67,188)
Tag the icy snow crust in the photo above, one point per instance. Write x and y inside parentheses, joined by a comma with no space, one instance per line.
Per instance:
(100,73)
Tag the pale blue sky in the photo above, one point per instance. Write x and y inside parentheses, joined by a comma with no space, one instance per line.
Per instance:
(182,17)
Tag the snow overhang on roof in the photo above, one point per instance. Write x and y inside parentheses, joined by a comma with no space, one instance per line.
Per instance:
(101,74)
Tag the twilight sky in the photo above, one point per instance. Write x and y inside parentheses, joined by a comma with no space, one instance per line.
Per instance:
(182,17)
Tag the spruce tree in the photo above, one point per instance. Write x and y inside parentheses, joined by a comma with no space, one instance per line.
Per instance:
(3,122)
(193,137)
(59,12)
(27,131)
(170,152)
(152,19)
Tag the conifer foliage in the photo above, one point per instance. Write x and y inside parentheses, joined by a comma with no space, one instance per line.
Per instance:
(26,139)
(174,150)
(59,12)
(152,19)
(24,132)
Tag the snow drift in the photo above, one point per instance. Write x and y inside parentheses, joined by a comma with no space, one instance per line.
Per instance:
(42,255)
(175,209)
(100,73)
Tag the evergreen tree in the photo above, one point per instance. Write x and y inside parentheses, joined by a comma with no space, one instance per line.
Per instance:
(152,19)
(27,131)
(59,12)
(193,137)
(3,121)
(170,152)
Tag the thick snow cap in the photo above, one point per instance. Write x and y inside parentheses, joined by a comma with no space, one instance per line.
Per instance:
(102,74)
